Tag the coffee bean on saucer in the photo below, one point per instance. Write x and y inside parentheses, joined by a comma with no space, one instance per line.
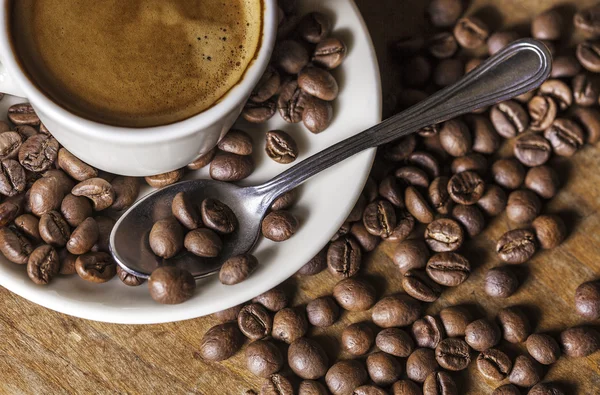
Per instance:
(384,369)
(507,389)
(255,322)
(420,364)
(456,138)
(221,342)
(526,372)
(354,294)
(395,341)
(83,237)
(427,331)
(329,53)
(482,334)
(267,87)
(231,167)
(10,144)
(444,13)
(45,195)
(455,320)
(236,142)
(14,246)
(448,268)
(543,348)
(453,354)
(443,235)
(318,83)
(500,282)
(105,226)
(515,324)
(417,284)
(23,114)
(291,56)
(565,136)
(9,210)
(236,269)
(253,113)
(439,383)
(99,267)
(307,359)
(75,167)
(587,118)
(587,300)
(12,177)
(532,149)
(344,376)
(580,341)
(317,115)
(493,364)
(274,299)
(357,338)
(43,264)
(396,311)
(316,265)
(588,54)
(442,45)
(291,101)
(314,27)
(471,32)
(98,190)
(466,187)
(279,225)
(323,311)
(68,262)
(263,358)
(289,324)
(542,110)
(54,230)
(75,209)
(65,182)
(127,278)
(406,387)
(344,257)
(509,118)
(281,147)
(38,152)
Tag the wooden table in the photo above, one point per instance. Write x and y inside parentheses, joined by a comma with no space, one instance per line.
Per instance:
(46,352)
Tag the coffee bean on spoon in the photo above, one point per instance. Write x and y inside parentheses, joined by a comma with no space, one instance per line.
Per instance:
(203,242)
(238,268)
(217,216)
(281,147)
(166,238)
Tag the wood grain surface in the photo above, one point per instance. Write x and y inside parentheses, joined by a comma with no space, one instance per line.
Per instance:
(44,352)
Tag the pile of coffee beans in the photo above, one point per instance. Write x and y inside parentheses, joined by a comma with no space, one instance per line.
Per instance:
(428,194)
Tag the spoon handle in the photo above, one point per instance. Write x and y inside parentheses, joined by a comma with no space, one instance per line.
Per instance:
(519,68)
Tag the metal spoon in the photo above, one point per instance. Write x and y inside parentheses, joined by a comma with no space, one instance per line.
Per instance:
(519,68)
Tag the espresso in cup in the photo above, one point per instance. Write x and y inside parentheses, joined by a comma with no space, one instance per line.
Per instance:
(136,63)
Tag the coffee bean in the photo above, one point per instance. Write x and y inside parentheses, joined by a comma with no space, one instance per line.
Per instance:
(443,235)
(448,72)
(485,139)
(456,138)
(38,152)
(532,149)
(588,54)
(236,142)
(499,40)
(291,56)
(231,167)
(314,27)
(23,114)
(379,218)
(83,237)
(217,216)
(543,180)
(426,162)
(395,341)
(255,322)
(427,331)
(307,359)
(500,282)
(442,45)
(417,205)
(523,206)
(354,294)
(587,21)
(105,225)
(516,246)
(204,242)
(470,217)
(126,190)
(329,53)
(545,389)
(126,278)
(589,119)
(254,113)
(203,160)
(277,384)
(471,32)
(439,383)
(542,110)
(9,210)
(396,310)
(565,66)
(472,64)
(412,176)
(466,187)
(587,300)
(344,257)
(289,324)
(221,342)
(357,338)
(54,230)
(482,334)
(559,91)
(420,364)
(45,195)
(472,162)
(585,90)
(509,118)
(99,267)
(400,149)
(455,320)
(507,389)
(405,225)
(416,71)
(318,83)
(369,390)
(508,173)
(565,136)
(547,25)
(515,324)
(366,240)
(66,183)
(75,209)
(311,387)
(43,264)
(229,314)
(580,341)
(389,189)
(10,144)
(67,262)
(384,369)
(186,212)
(281,147)
(235,269)
(12,177)
(98,190)
(263,358)
(453,354)
(493,364)
(317,115)
(166,238)
(543,348)
(75,167)
(267,87)
(14,246)
(526,372)
(286,200)
(316,265)
(550,231)
(438,195)
(411,254)
(274,299)
(444,13)
(448,268)
(29,225)
(344,376)
(417,284)
(323,311)
(279,225)
(406,387)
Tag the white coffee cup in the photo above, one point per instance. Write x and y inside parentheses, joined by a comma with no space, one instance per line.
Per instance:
(137,151)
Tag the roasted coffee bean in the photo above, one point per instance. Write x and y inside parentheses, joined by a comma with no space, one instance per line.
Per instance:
(344,376)
(316,265)
(274,299)
(10,144)
(45,195)
(456,138)
(508,173)
(417,284)
(500,282)
(206,243)
(231,167)
(493,364)
(395,341)
(515,324)
(67,262)
(235,269)
(54,230)
(427,331)
(263,358)
(311,387)
(99,267)
(289,324)
(587,300)
(43,264)
(442,45)
(9,210)
(526,372)
(565,136)
(314,27)
(405,225)
(448,268)
(543,348)
(471,32)
(255,113)
(587,21)
(75,167)
(286,200)
(470,217)
(406,387)
(411,254)
(542,110)
(566,66)
(472,64)
(354,294)
(559,91)
(366,240)
(291,101)
(588,54)
(98,190)
(545,389)
(126,190)
(384,369)
(221,342)
(23,114)
(127,278)
(543,180)
(417,205)
(466,187)
(473,162)
(29,225)
(429,131)
(532,149)
(83,237)
(523,206)
(390,189)
(482,334)
(277,384)
(279,225)
(499,40)
(255,322)
(38,152)
(166,237)
(379,218)
(589,120)
(318,83)
(417,71)
(509,118)
(203,160)
(400,149)
(307,359)
(267,87)
(66,182)
(14,246)
(507,389)
(186,212)
(412,176)
(547,25)
(75,209)
(105,225)
(12,177)
(455,320)
(550,231)
(291,56)
(217,216)
(358,338)
(236,142)
(516,246)
(453,354)
(344,257)
(448,72)
(438,195)
(329,53)
(323,311)
(444,235)
(439,383)
(396,310)
(281,147)
(485,139)
(580,341)
(585,90)
(444,13)
(420,364)
(425,161)
(229,314)
(317,115)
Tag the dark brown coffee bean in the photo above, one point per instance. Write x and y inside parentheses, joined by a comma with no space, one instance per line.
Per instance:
(274,299)
(46,195)
(417,205)
(444,13)
(485,139)
(442,45)
(344,376)
(472,162)
(565,136)
(217,216)
(329,53)
(25,131)
(515,324)
(267,87)
(456,138)
(453,354)
(411,254)
(206,243)
(221,342)
(229,314)
(12,178)
(318,83)
(29,225)
(523,206)
(235,269)
(526,372)
(589,119)
(9,210)
(279,225)
(585,90)
(257,113)
(420,364)
(186,212)
(384,369)
(316,265)
(471,32)
(516,246)
(379,218)
(67,262)
(14,246)
(448,268)
(396,310)
(99,267)
(289,324)
(470,217)
(98,190)
(482,334)
(438,195)
(532,149)
(317,115)
(406,387)
(75,167)
(236,142)
(588,54)
(323,311)
(354,294)
(425,161)
(559,91)
(507,389)
(400,149)
(493,364)
(66,182)
(166,237)
(500,282)
(54,230)
(281,147)
(307,359)
(311,387)
(203,160)
(83,237)
(508,173)
(542,110)
(390,189)
(547,25)
(545,389)
(286,200)
(509,118)
(357,338)
(231,167)
(412,176)
(448,72)
(493,200)
(255,322)
(587,300)
(543,180)
(499,40)
(10,144)
(550,231)
(408,45)
(587,21)
(126,190)
(129,279)
(263,358)
(565,66)
(404,227)
(277,384)
(455,320)
(23,114)
(395,341)
(314,27)
(38,152)
(417,284)
(75,209)
(416,71)
(291,101)
(366,240)
(43,264)
(580,341)
(466,187)
(344,257)
(543,348)
(439,383)
(443,235)
(291,56)
(427,331)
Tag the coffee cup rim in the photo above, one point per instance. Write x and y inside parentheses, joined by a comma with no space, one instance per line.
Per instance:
(144,135)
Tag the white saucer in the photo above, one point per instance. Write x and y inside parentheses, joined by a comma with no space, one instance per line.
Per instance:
(325,201)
